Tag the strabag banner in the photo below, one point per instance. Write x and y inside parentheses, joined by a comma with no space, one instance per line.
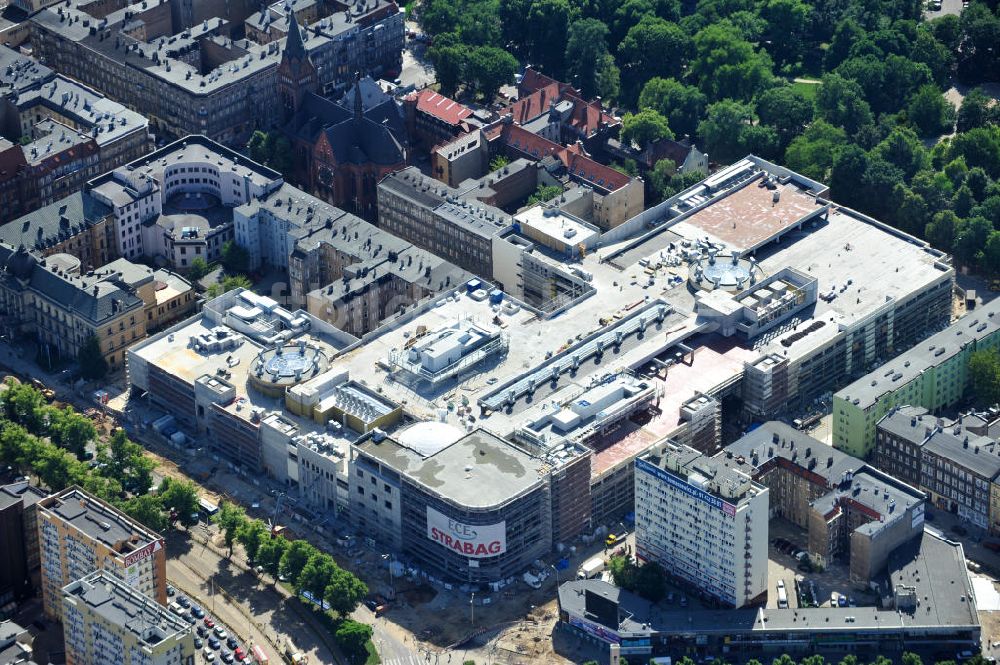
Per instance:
(472,540)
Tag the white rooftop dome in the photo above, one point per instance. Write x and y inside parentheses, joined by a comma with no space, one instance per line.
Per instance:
(429,438)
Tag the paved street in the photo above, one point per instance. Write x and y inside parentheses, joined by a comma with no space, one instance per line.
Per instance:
(947,7)
(417,71)
(255,611)
(192,584)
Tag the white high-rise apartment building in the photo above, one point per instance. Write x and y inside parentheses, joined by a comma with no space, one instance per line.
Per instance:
(703,521)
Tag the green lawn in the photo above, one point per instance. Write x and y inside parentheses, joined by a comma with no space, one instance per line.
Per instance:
(373,658)
(807,89)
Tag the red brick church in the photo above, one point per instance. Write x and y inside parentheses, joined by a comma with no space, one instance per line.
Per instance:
(342,148)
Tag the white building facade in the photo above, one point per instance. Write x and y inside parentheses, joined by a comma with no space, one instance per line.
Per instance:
(704,522)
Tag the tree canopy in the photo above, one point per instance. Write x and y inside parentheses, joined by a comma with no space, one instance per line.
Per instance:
(842,92)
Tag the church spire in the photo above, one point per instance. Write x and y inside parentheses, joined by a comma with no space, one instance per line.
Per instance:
(359,106)
(295,48)
(297,74)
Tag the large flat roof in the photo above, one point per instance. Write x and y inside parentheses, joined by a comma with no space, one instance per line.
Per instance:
(750,216)
(863,262)
(21,492)
(480,470)
(126,608)
(99,521)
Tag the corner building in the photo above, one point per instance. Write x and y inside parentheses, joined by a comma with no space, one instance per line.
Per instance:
(469,506)
(79,533)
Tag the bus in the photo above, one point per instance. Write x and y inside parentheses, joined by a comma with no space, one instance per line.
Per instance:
(207,507)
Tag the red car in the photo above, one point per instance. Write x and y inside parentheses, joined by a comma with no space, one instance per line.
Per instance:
(239,654)
(209,623)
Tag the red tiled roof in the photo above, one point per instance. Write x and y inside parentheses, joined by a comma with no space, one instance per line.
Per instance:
(530,144)
(441,107)
(540,92)
(576,161)
(584,168)
(528,108)
(533,80)
(667,149)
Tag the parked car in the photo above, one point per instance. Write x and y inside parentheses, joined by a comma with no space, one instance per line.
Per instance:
(197,612)
(220,632)
(227,657)
(209,623)
(214,644)
(198,643)
(231,642)
(202,631)
(239,653)
(183,601)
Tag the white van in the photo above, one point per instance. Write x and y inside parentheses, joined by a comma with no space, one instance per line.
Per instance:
(782,596)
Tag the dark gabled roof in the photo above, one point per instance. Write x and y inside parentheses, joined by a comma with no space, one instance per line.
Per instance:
(364,141)
(96,297)
(55,222)
(372,95)
(377,137)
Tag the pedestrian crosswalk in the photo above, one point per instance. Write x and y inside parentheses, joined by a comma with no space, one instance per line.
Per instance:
(422,659)
(411,659)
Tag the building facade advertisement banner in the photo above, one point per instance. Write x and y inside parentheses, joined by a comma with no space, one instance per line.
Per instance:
(687,488)
(141,554)
(472,540)
(595,629)
(133,569)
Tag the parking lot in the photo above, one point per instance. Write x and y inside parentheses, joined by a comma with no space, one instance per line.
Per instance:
(807,586)
(214,640)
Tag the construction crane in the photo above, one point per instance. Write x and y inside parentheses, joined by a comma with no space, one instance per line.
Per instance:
(273,522)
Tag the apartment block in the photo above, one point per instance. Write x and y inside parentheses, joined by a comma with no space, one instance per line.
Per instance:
(79,534)
(18,543)
(435,217)
(849,510)
(958,468)
(933,374)
(705,523)
(107,621)
(62,305)
(66,132)
(186,67)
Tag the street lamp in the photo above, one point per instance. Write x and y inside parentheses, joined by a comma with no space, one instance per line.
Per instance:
(556,570)
(392,578)
(472,610)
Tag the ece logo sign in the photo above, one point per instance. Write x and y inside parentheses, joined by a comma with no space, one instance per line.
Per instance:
(476,541)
